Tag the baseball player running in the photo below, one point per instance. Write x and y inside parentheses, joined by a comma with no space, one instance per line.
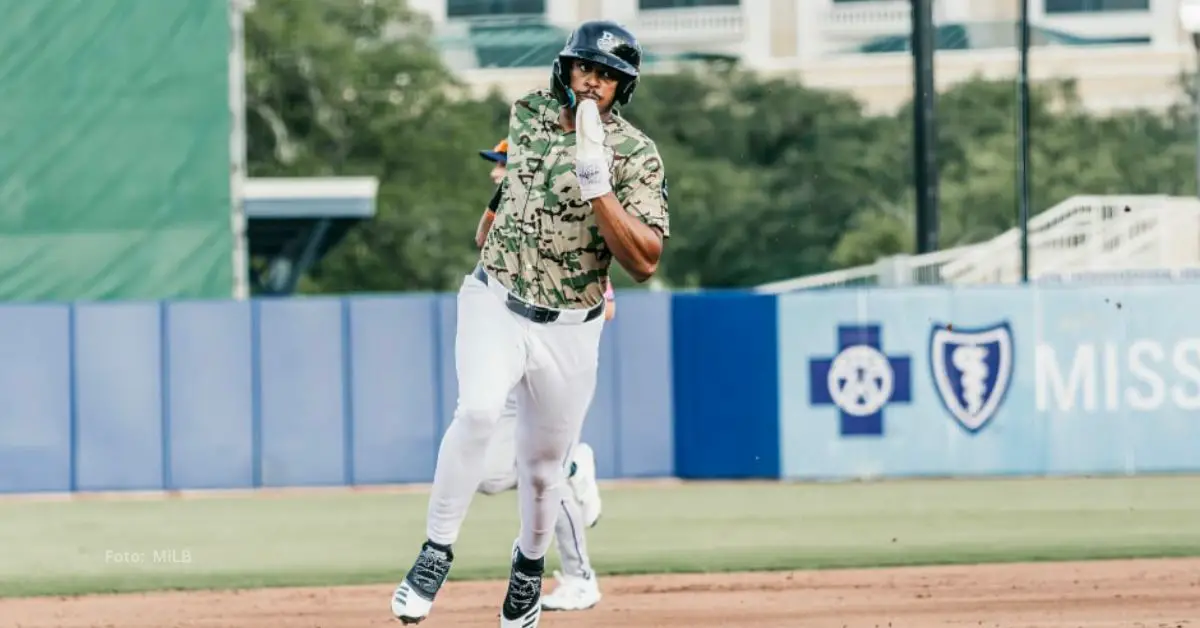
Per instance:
(580,507)
(583,187)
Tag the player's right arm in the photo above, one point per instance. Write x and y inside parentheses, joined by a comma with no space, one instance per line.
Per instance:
(485,225)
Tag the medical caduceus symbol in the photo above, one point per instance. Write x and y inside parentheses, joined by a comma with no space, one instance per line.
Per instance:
(860,380)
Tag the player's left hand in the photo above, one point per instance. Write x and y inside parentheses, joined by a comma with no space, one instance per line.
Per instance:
(591,164)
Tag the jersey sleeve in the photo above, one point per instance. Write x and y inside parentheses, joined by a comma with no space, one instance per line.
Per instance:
(494,204)
(642,187)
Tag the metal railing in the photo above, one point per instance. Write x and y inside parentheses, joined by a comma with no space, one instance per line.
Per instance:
(699,24)
(1104,237)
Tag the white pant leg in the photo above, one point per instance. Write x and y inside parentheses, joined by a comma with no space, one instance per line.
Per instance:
(570,537)
(500,463)
(557,390)
(490,359)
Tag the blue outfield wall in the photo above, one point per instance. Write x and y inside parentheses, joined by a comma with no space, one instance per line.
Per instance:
(290,392)
(726,386)
(1000,380)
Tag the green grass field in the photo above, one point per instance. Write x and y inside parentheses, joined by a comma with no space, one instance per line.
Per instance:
(343,538)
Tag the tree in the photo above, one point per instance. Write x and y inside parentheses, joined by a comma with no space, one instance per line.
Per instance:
(354,88)
(1072,152)
(767,174)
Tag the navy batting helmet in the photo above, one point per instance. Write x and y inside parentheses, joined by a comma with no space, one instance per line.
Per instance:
(603,42)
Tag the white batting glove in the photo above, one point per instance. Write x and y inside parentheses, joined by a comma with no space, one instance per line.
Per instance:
(591,164)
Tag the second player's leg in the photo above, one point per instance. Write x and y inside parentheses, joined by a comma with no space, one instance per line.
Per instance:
(571,538)
(578,588)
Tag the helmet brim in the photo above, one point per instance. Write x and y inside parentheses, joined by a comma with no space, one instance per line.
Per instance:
(491,155)
(608,60)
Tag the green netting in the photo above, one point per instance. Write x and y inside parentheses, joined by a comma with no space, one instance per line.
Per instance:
(115,165)
(519,46)
(990,35)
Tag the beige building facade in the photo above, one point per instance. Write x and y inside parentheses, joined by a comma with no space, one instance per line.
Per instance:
(1141,53)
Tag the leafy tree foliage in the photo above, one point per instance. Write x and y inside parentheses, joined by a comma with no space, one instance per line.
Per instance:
(353,88)
(769,178)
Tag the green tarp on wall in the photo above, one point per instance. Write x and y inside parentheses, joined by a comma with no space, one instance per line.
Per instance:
(114,150)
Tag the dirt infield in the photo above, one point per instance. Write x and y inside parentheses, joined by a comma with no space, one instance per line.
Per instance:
(1129,594)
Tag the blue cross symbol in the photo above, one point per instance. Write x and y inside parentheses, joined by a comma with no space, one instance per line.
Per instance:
(860,380)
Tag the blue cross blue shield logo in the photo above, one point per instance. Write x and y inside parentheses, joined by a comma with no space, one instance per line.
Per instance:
(861,380)
(972,370)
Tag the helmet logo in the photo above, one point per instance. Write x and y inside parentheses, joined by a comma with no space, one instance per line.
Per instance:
(608,41)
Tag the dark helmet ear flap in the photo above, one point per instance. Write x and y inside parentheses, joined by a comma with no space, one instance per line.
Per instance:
(625,90)
(560,84)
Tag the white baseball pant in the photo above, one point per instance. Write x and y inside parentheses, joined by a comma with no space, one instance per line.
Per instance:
(552,366)
(500,474)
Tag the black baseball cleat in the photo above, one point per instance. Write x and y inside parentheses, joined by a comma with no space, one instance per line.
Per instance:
(522,603)
(413,598)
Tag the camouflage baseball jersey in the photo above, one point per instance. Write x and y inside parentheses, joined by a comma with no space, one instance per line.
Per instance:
(544,244)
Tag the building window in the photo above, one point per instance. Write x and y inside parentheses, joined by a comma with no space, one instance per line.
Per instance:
(685,4)
(1095,6)
(477,8)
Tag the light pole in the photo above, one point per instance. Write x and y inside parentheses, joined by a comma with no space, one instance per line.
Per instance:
(1189,18)
(1023,137)
(924,131)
